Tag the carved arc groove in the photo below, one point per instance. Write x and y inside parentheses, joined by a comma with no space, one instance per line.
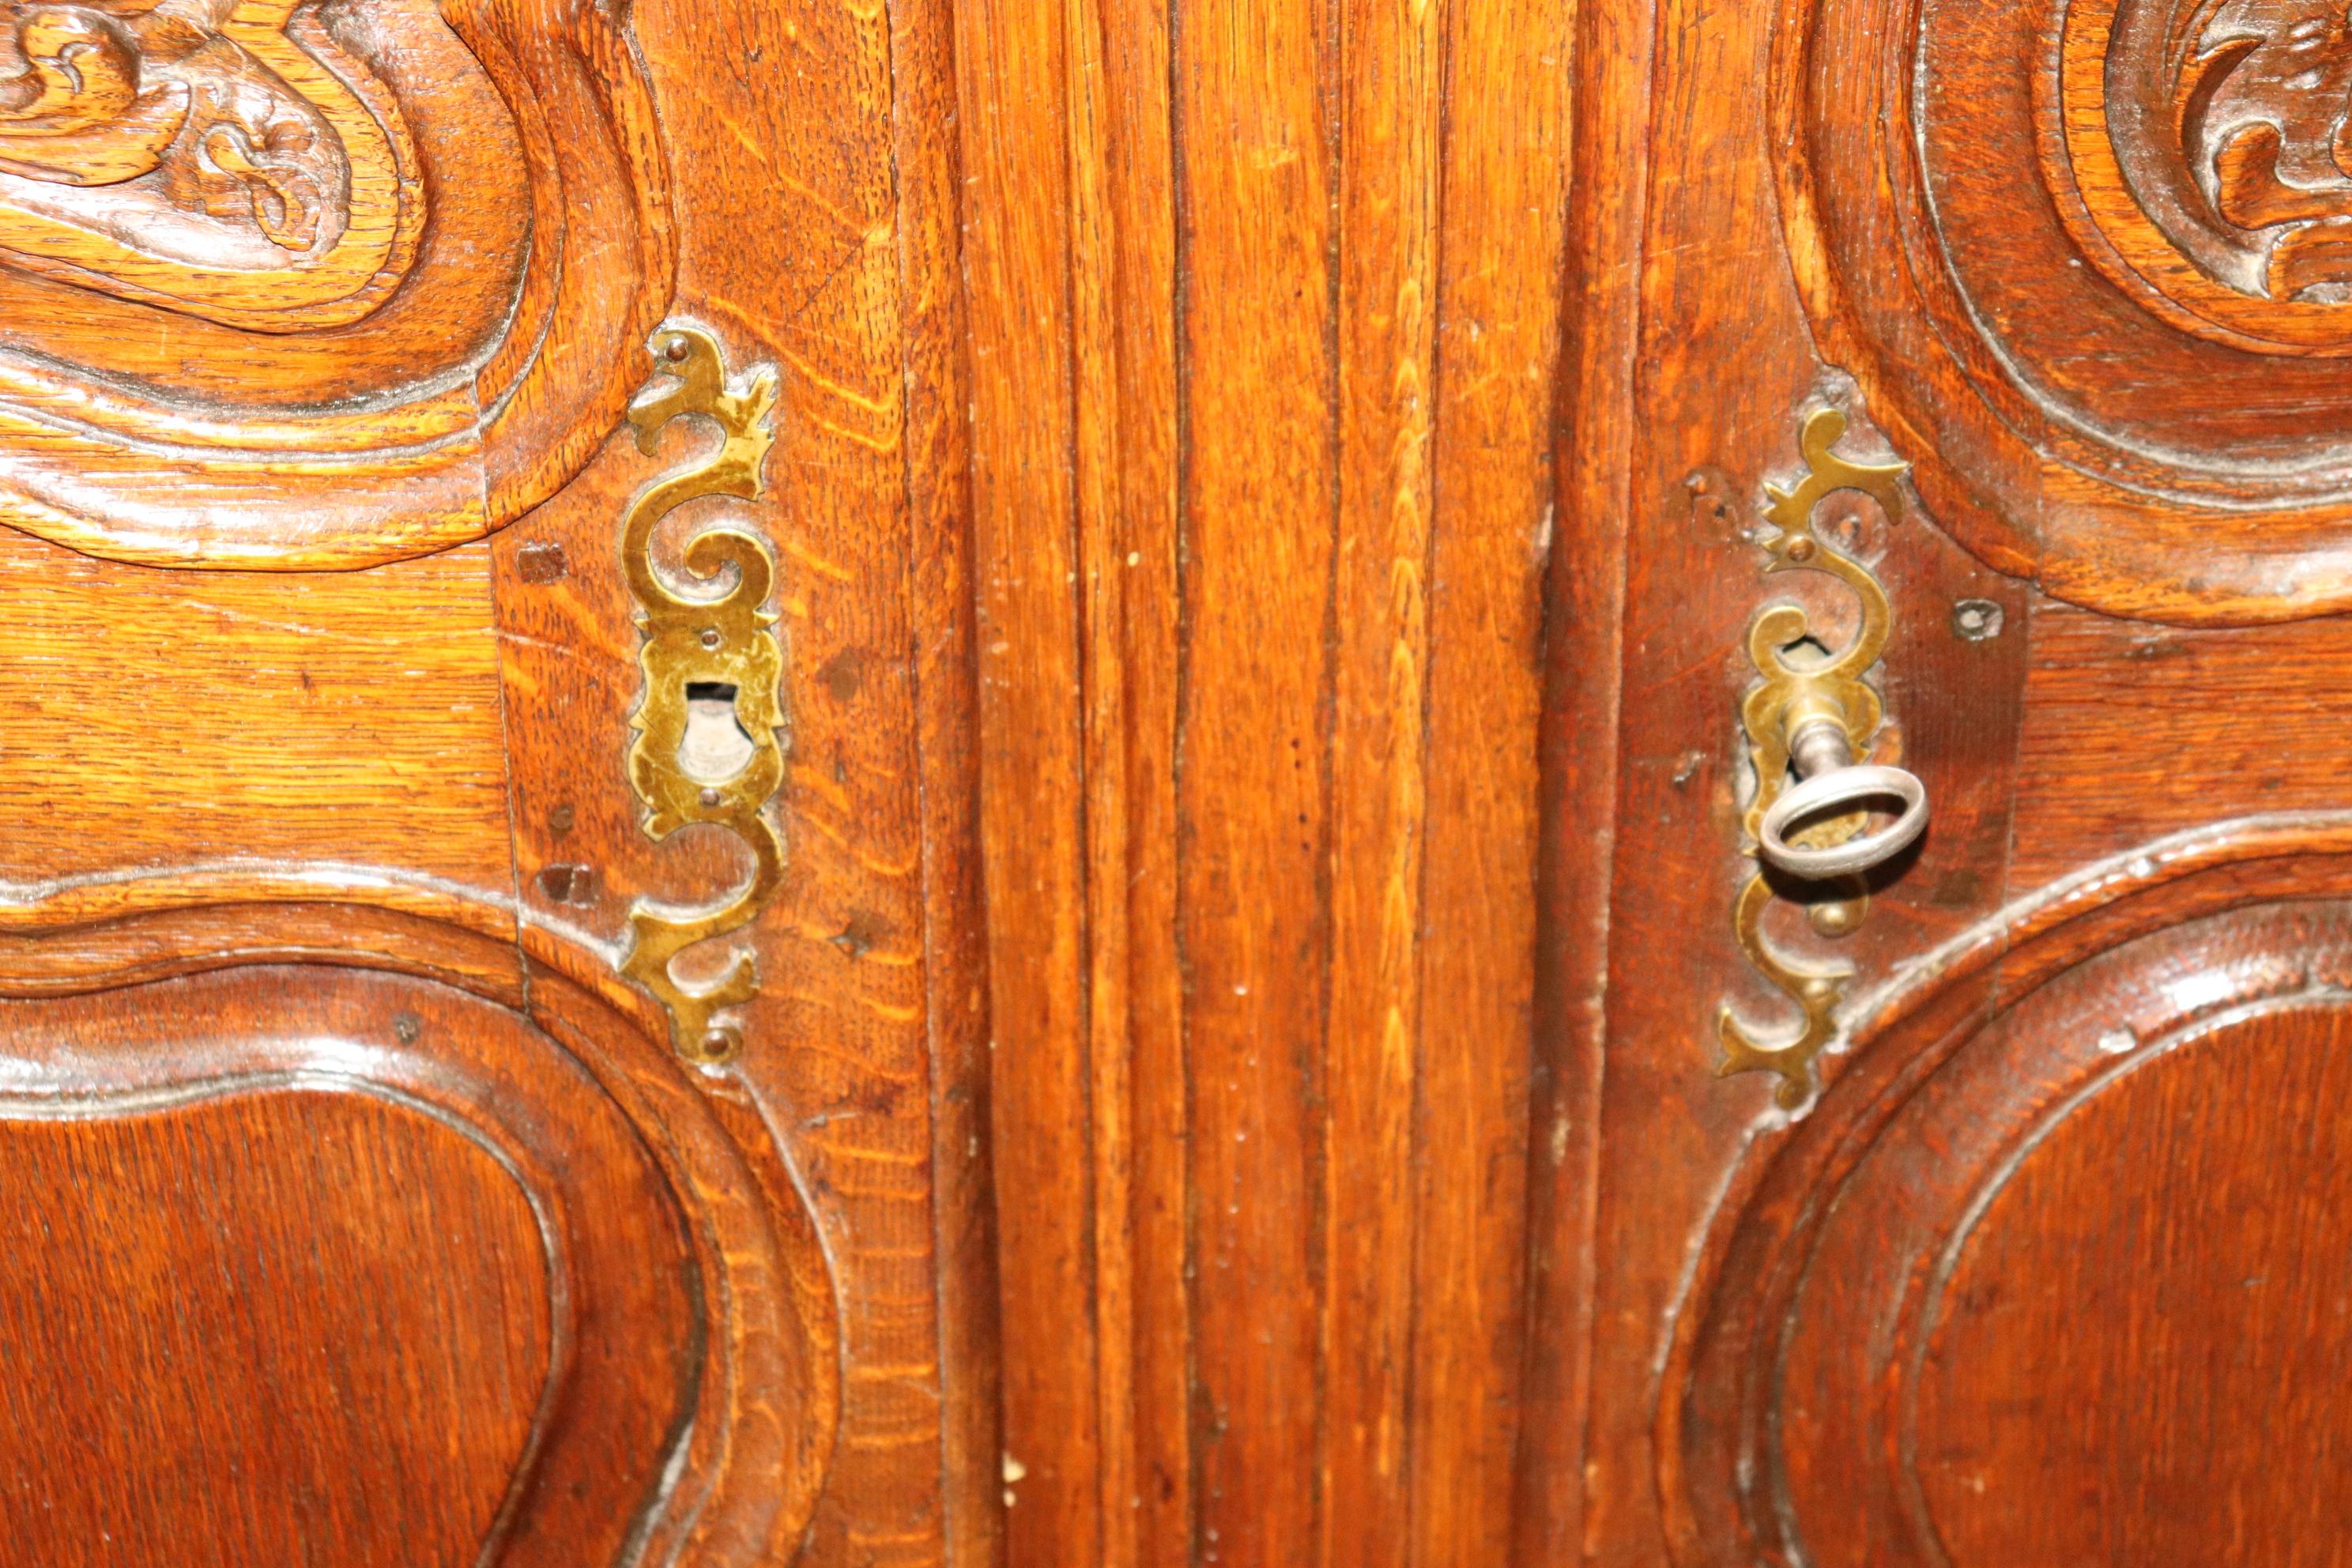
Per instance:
(2090,262)
(765,1391)
(1951,1074)
(241,166)
(289,286)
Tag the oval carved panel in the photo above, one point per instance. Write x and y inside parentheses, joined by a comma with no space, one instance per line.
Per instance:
(305,283)
(2206,166)
(2088,1245)
(2093,261)
(222,1277)
(316,1258)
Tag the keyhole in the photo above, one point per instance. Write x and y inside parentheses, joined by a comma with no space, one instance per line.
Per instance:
(717,747)
(1806,653)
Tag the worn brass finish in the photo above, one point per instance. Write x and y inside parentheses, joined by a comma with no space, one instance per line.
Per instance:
(715,640)
(1787,701)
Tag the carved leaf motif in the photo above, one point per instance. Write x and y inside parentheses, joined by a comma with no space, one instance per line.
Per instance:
(76,112)
(412,244)
(2259,99)
(2130,228)
(225,140)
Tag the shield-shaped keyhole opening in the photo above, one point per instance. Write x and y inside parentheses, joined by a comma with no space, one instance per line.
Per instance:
(717,747)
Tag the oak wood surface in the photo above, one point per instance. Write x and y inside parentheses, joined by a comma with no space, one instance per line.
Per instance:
(302,717)
(366,290)
(417,767)
(1986,1298)
(1269,499)
(286,1213)
(2212,1248)
(268,1370)
(2106,994)
(1265,324)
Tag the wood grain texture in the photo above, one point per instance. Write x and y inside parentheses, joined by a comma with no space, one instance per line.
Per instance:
(1941,1153)
(1356,1216)
(1123,272)
(2105,376)
(318,1198)
(312,1133)
(375,293)
(420,767)
(1268,500)
(1723,370)
(2178,716)
(1098,1408)
(1989,1286)
(1257,632)
(1506,181)
(1583,696)
(1035,853)
(1255,133)
(2234,1240)
(327,717)
(845,951)
(927,165)
(1390,145)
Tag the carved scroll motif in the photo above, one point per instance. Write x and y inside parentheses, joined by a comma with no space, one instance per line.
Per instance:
(2209,159)
(2262,109)
(230,158)
(2126,225)
(301,284)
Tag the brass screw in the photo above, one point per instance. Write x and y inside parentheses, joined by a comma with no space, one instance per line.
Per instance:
(1800,550)
(1841,917)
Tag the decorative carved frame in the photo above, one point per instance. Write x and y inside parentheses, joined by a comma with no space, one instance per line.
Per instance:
(300,433)
(745,1484)
(1727,1334)
(2136,438)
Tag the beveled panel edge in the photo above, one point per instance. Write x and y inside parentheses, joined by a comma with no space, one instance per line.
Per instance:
(2151,543)
(1944,999)
(750,1483)
(446,461)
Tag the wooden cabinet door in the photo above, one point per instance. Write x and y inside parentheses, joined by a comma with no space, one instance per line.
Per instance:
(487,1017)
(1988,1210)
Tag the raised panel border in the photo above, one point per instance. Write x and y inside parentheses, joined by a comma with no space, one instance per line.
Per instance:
(1726,1334)
(747,1485)
(105,465)
(2193,530)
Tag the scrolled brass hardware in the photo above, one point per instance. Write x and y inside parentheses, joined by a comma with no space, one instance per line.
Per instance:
(715,642)
(1810,726)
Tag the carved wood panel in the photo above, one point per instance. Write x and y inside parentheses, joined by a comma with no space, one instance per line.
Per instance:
(285,283)
(2051,1271)
(314,284)
(2092,260)
(2072,1210)
(378,1228)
